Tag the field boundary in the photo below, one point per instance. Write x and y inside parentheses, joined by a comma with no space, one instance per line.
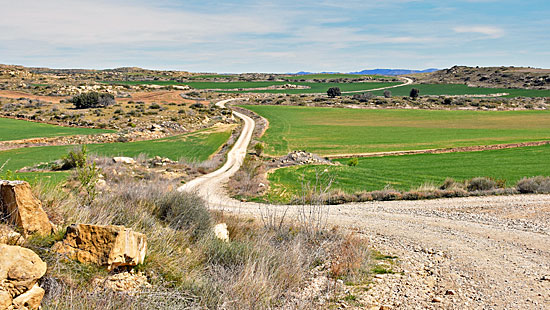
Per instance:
(477,148)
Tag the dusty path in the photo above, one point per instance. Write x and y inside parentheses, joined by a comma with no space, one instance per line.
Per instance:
(488,252)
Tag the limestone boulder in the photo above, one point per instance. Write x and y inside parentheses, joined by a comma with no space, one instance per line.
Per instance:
(104,245)
(124,160)
(9,236)
(20,270)
(221,232)
(23,209)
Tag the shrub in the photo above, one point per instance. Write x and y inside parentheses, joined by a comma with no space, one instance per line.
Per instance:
(387,94)
(259,148)
(353,162)
(537,185)
(76,158)
(481,184)
(334,91)
(183,212)
(388,193)
(92,100)
(154,106)
(415,92)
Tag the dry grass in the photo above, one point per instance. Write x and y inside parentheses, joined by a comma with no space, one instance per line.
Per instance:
(262,267)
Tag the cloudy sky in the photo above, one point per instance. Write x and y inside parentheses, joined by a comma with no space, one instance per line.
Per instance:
(274,36)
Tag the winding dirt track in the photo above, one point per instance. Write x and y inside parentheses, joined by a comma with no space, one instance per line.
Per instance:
(491,252)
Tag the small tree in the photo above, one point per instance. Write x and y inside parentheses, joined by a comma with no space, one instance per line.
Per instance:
(259,148)
(92,100)
(334,91)
(414,93)
(387,94)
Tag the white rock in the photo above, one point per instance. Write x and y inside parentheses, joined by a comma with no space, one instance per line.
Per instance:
(124,160)
(221,232)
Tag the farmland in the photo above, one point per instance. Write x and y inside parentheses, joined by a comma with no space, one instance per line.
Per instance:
(410,171)
(11,129)
(461,89)
(329,131)
(229,86)
(333,76)
(197,146)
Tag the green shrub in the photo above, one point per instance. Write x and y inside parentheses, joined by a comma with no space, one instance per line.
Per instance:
(353,162)
(75,158)
(92,100)
(259,148)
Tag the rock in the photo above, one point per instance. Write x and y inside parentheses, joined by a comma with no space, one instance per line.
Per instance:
(30,299)
(221,232)
(9,236)
(450,292)
(386,307)
(23,209)
(437,299)
(123,282)
(124,160)
(104,245)
(20,270)
(546,278)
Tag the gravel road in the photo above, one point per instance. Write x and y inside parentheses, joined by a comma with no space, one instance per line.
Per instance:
(458,253)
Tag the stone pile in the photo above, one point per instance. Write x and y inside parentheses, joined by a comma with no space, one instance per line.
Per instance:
(299,158)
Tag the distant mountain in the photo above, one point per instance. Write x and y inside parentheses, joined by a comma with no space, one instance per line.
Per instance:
(374,72)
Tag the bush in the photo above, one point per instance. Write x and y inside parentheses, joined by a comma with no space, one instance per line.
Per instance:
(415,92)
(92,100)
(353,162)
(536,185)
(387,94)
(183,211)
(76,158)
(481,184)
(259,148)
(334,91)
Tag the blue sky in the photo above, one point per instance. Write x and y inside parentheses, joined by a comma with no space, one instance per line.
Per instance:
(268,36)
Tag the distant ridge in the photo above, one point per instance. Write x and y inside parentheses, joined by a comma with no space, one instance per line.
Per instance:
(374,72)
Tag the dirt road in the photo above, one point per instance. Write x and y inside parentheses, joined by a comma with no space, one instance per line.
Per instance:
(460,253)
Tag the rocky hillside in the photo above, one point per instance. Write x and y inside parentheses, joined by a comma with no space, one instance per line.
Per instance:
(498,77)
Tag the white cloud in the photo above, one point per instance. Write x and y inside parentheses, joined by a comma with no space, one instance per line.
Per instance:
(489,31)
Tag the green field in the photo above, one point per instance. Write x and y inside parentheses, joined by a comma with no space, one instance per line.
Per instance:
(460,89)
(12,129)
(331,76)
(314,87)
(410,171)
(196,146)
(331,131)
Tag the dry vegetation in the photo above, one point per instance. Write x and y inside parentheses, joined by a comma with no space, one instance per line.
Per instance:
(267,264)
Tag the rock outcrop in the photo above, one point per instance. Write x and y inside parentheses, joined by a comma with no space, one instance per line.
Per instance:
(105,245)
(20,270)
(21,208)
(9,236)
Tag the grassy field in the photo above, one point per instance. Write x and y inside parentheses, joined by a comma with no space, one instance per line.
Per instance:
(12,129)
(196,146)
(332,76)
(330,131)
(460,89)
(410,171)
(314,87)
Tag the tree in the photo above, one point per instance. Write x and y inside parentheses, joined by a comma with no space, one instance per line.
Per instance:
(414,93)
(259,148)
(387,94)
(92,100)
(334,91)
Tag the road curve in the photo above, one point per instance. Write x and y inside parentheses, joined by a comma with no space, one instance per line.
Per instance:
(492,252)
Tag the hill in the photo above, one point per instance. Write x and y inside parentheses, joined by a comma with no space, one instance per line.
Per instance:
(503,77)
